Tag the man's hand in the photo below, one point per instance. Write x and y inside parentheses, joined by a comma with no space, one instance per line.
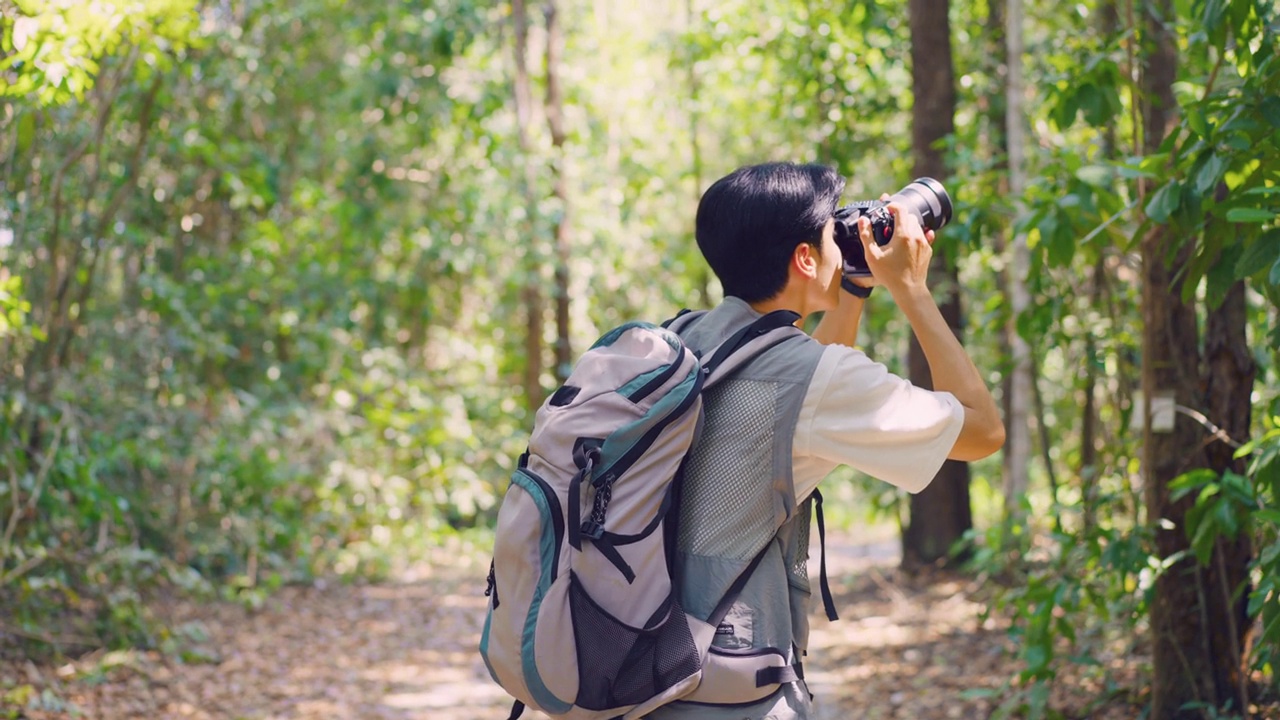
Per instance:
(904,261)
(902,266)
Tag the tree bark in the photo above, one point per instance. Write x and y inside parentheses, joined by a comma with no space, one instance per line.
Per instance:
(531,290)
(940,514)
(1088,471)
(1229,373)
(997,52)
(560,188)
(1199,630)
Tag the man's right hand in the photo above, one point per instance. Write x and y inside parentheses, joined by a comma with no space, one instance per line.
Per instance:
(902,266)
(902,263)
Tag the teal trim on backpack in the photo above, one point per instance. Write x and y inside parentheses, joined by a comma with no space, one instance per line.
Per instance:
(640,381)
(547,549)
(625,438)
(484,645)
(612,336)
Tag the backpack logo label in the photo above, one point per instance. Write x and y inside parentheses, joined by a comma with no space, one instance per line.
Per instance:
(725,629)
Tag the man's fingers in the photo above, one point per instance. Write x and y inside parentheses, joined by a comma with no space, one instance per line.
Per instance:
(904,222)
(864,233)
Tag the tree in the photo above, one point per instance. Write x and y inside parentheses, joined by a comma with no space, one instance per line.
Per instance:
(1018,421)
(940,515)
(531,296)
(560,189)
(1199,623)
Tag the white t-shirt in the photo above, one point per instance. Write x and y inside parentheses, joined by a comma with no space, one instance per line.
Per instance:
(857,413)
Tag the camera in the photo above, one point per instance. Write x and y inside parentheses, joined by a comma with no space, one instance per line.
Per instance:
(924,197)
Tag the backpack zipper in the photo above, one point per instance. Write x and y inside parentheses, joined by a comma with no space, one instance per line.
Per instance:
(492,589)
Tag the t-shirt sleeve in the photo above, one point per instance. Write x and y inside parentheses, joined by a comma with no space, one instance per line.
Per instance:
(859,414)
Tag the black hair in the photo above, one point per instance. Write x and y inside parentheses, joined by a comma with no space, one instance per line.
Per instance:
(750,222)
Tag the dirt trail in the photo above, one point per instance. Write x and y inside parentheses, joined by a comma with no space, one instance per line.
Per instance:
(904,648)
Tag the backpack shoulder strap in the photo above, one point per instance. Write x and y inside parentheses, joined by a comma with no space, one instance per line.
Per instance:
(762,334)
(683,320)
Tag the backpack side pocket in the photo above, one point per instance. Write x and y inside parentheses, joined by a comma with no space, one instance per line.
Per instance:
(526,558)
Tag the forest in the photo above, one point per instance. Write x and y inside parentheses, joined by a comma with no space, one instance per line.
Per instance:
(282,283)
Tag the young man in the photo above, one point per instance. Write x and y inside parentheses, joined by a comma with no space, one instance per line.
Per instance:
(776,428)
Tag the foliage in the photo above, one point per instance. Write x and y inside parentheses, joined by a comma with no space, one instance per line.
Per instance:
(261,278)
(54,48)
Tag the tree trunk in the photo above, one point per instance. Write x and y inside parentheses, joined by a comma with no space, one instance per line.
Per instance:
(1018,422)
(560,187)
(940,514)
(997,52)
(1088,471)
(1229,373)
(531,291)
(1198,631)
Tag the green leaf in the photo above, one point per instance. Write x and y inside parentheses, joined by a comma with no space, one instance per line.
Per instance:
(1094,104)
(1062,245)
(1191,480)
(1227,519)
(1259,255)
(1095,175)
(1275,274)
(979,693)
(1165,202)
(1221,276)
(1195,119)
(1270,108)
(1211,172)
(1206,532)
(1250,215)
(1064,113)
(1036,657)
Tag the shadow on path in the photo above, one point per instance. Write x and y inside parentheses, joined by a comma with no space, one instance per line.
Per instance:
(904,648)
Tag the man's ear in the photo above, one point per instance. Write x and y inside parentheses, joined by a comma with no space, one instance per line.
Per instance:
(804,260)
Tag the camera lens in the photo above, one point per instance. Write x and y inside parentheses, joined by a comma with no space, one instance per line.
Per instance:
(926,198)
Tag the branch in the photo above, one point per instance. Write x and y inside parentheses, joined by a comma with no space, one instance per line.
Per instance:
(1214,430)
(26,567)
(64,283)
(46,464)
(48,639)
(113,205)
(1044,439)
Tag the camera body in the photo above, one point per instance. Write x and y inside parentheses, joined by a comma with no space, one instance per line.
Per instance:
(924,197)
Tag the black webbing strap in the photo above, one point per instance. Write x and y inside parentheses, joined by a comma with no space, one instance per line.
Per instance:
(585,456)
(683,311)
(517,709)
(762,325)
(731,595)
(607,549)
(779,675)
(828,604)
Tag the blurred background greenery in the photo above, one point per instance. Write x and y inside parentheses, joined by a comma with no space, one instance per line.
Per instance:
(281,280)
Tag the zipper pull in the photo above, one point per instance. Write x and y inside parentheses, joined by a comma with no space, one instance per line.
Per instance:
(492,589)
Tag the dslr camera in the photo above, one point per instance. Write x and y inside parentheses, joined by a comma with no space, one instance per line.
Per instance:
(924,197)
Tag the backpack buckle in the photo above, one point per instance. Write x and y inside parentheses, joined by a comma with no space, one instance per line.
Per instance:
(592,529)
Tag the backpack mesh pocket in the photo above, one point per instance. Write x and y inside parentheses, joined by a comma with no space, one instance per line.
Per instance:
(619,665)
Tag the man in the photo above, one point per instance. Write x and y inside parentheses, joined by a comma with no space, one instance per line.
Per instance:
(776,428)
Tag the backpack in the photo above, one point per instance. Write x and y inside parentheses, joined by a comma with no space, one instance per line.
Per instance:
(584,620)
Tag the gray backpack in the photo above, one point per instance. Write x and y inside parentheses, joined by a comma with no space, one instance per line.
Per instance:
(584,621)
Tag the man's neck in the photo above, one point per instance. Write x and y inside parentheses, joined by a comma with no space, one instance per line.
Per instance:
(788,299)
